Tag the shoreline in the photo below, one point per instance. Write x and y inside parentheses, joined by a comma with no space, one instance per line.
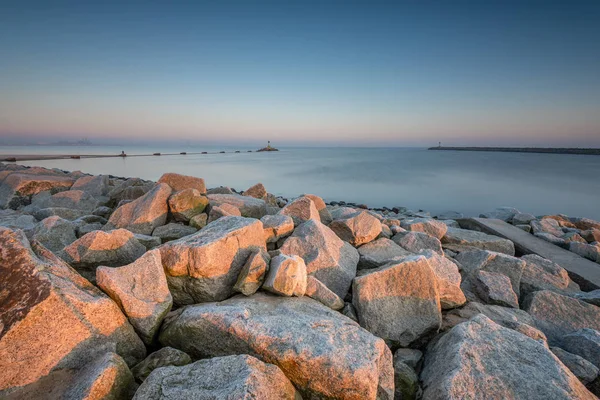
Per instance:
(541,150)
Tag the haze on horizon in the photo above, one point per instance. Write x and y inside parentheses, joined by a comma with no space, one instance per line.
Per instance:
(316,73)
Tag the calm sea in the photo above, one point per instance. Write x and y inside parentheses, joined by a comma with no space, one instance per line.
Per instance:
(435,181)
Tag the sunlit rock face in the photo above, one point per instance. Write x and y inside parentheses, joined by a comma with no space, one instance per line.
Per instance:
(327,257)
(252,275)
(429,226)
(143,214)
(480,358)
(323,353)
(301,210)
(105,377)
(205,266)
(113,248)
(71,199)
(248,206)
(96,186)
(14,186)
(187,203)
(398,302)
(181,182)
(462,240)
(448,278)
(141,290)
(230,377)
(277,227)
(358,228)
(52,315)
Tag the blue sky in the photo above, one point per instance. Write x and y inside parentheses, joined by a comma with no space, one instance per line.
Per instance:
(343,72)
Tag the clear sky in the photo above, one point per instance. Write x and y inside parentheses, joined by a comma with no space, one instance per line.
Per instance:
(389,73)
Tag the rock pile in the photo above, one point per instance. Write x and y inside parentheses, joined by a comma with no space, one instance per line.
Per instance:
(124,288)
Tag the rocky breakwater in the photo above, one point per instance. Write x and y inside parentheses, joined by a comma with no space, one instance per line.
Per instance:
(123,288)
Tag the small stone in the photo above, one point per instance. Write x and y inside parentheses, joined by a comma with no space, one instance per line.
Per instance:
(181,182)
(584,370)
(253,273)
(585,343)
(277,227)
(301,210)
(357,229)
(286,276)
(149,242)
(429,226)
(495,288)
(315,289)
(257,191)
(406,382)
(410,357)
(415,242)
(522,219)
(589,251)
(173,231)
(165,357)
(199,221)
(187,203)
(223,210)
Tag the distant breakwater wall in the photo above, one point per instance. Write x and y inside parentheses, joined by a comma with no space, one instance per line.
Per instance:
(548,150)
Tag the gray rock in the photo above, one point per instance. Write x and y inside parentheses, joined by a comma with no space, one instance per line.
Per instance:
(199,221)
(415,242)
(479,358)
(380,252)
(84,229)
(96,186)
(585,343)
(507,317)
(130,189)
(253,272)
(144,214)
(205,266)
(546,225)
(248,206)
(592,297)
(429,226)
(301,210)
(550,238)
(54,233)
(522,219)
(589,251)
(449,215)
(327,257)
(584,370)
(464,239)
(448,278)
(398,302)
(410,357)
(526,228)
(315,289)
(224,210)
(557,315)
(450,223)
(573,237)
(277,227)
(165,357)
(173,231)
(16,220)
(220,190)
(149,242)
(495,288)
(506,214)
(406,382)
(71,199)
(231,377)
(540,273)
(351,362)
(591,235)
(324,213)
(22,184)
(65,213)
(187,203)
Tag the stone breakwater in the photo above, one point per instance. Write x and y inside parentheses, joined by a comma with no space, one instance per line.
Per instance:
(114,288)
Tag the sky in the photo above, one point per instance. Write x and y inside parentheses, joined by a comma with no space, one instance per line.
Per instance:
(347,73)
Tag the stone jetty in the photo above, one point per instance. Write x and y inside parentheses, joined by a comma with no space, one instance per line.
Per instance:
(114,288)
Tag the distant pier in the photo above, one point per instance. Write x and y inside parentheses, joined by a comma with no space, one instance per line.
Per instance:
(40,157)
(546,150)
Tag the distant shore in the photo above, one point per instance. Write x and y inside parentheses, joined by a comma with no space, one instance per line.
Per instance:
(547,150)
(38,157)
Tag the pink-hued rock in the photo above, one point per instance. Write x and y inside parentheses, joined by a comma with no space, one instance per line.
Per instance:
(253,272)
(301,210)
(327,257)
(321,208)
(459,240)
(205,266)
(187,203)
(18,184)
(286,276)
(257,191)
(480,359)
(166,356)
(143,214)
(231,377)
(223,210)
(323,353)
(52,318)
(539,274)
(417,242)
(315,289)
(399,302)
(358,228)
(449,279)
(277,227)
(379,252)
(106,377)
(181,182)
(248,206)
(495,288)
(141,290)
(429,226)
(113,248)
(94,185)
(71,199)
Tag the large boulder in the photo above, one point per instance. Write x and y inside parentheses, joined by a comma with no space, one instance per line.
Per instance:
(327,257)
(248,206)
(130,189)
(457,239)
(299,335)
(321,207)
(473,261)
(141,290)
(589,251)
(415,242)
(181,182)
(557,315)
(143,214)
(286,276)
(585,343)
(399,302)
(230,377)
(540,273)
(166,356)
(96,186)
(380,252)
(315,289)
(257,191)
(113,249)
(205,266)
(277,227)
(301,210)
(173,231)
(495,288)
(54,233)
(481,359)
(52,318)
(106,377)
(584,370)
(21,184)
(71,199)
(429,226)
(358,228)
(448,278)
(187,203)
(16,220)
